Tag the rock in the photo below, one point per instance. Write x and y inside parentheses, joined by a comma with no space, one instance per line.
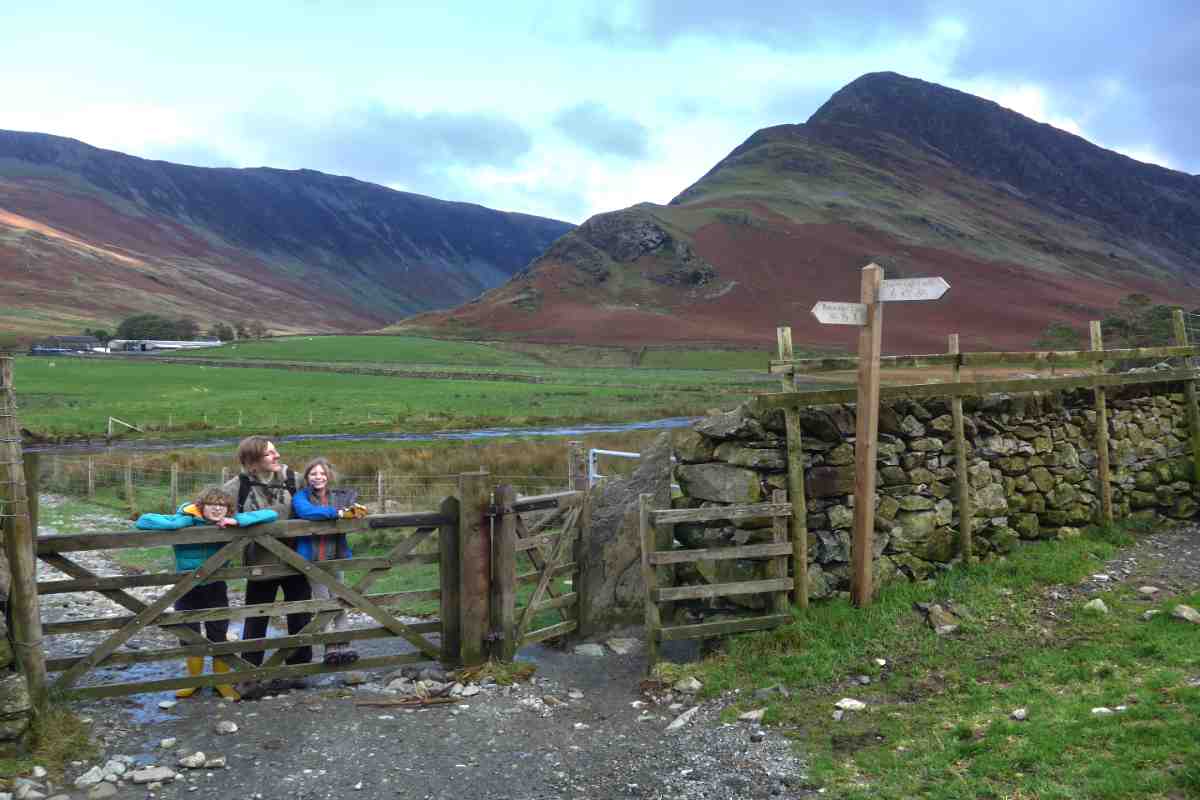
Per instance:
(1096,605)
(1148,590)
(719,482)
(435,674)
(758,736)
(225,727)
(28,791)
(692,448)
(622,646)
(90,778)
(470,690)
(15,706)
(838,714)
(194,761)
(754,716)
(850,704)
(1101,711)
(39,772)
(881,662)
(168,743)
(739,423)
(590,649)
(152,775)
(942,620)
(1151,614)
(354,678)
(683,719)
(829,481)
(114,767)
(688,685)
(575,694)
(1186,613)
(769,692)
(216,762)
(1020,714)
(102,791)
(166,705)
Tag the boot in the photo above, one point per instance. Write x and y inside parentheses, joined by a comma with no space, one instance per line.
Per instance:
(195,666)
(224,689)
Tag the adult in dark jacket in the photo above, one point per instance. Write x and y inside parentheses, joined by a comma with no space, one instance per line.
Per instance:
(266,482)
(317,500)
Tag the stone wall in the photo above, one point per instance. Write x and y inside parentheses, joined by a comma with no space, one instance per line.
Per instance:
(1032,476)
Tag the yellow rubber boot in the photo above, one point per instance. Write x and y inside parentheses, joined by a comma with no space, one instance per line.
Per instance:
(195,666)
(224,689)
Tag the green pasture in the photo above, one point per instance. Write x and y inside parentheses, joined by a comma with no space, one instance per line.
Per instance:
(370,349)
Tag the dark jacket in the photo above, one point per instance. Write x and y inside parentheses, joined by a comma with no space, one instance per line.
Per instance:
(263,491)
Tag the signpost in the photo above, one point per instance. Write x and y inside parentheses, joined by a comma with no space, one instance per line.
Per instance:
(868,314)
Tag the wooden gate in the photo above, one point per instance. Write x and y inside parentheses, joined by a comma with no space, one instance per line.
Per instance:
(442,523)
(538,553)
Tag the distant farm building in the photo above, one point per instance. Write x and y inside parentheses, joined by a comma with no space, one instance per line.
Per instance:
(66,344)
(150,345)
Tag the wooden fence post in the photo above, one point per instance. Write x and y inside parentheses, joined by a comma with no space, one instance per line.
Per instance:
(379,491)
(174,486)
(91,477)
(777,567)
(1189,388)
(1106,501)
(504,575)
(585,565)
(577,467)
(475,568)
(866,432)
(783,341)
(960,466)
(448,539)
(33,488)
(798,523)
(653,619)
(129,493)
(19,546)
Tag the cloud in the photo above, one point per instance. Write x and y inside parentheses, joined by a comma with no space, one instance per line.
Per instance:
(388,146)
(598,129)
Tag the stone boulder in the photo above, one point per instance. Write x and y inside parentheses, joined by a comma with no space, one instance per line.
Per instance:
(720,482)
(15,706)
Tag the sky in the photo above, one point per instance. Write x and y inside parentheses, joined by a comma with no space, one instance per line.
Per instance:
(567,109)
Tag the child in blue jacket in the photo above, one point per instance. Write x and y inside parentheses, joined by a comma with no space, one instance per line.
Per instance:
(212,507)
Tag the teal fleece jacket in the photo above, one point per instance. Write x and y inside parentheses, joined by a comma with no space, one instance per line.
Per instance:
(190,556)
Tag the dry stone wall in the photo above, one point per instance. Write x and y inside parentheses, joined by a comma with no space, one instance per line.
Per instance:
(1032,475)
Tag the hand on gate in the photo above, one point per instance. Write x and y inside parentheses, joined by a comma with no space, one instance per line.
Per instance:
(356,511)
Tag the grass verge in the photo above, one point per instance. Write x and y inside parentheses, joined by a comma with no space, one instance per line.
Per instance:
(54,739)
(938,720)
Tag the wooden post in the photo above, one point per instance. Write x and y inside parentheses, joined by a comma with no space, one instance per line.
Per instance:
(379,491)
(653,619)
(129,494)
(239,419)
(174,486)
(1189,387)
(960,466)
(504,575)
(577,467)
(783,340)
(585,569)
(866,446)
(449,581)
(56,472)
(91,477)
(1105,478)
(777,567)
(224,475)
(33,488)
(798,523)
(475,568)
(19,539)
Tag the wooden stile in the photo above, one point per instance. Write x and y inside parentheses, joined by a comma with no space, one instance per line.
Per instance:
(866,431)
(1179,329)
(1104,476)
(783,338)
(777,568)
(798,524)
(965,511)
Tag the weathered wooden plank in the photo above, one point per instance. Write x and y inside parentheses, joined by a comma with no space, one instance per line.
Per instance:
(767,402)
(551,632)
(200,534)
(504,574)
(544,582)
(448,579)
(722,589)
(543,539)
(649,578)
(565,601)
(1030,358)
(672,516)
(765,550)
(411,519)
(786,355)
(960,466)
(798,523)
(535,555)
(866,445)
(141,619)
(475,565)
(704,630)
(293,671)
(1103,473)
(537,502)
(778,567)
(555,571)
(1179,330)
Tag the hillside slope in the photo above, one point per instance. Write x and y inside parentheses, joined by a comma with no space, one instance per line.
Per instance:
(1028,224)
(89,235)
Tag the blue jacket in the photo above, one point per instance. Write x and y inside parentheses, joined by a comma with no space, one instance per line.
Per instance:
(322,547)
(190,556)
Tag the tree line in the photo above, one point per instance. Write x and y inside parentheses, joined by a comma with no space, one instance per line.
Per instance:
(181,329)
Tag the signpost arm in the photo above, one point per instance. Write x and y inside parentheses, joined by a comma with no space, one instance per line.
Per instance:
(866,446)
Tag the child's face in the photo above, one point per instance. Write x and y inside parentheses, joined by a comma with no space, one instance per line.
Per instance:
(214,513)
(317,477)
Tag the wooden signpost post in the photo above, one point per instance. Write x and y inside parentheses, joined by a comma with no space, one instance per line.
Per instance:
(868,315)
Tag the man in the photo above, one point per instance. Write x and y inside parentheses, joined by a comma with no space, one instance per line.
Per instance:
(265,482)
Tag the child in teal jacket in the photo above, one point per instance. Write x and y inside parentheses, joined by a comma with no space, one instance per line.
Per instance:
(212,507)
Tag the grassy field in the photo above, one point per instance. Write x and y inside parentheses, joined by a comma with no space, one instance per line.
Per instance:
(74,397)
(371,349)
(939,724)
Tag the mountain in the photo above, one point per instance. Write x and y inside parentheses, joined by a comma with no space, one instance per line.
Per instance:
(88,236)
(1029,224)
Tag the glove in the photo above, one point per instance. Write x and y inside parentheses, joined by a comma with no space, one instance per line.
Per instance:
(355,511)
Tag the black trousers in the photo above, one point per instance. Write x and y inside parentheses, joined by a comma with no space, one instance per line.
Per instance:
(295,587)
(206,595)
